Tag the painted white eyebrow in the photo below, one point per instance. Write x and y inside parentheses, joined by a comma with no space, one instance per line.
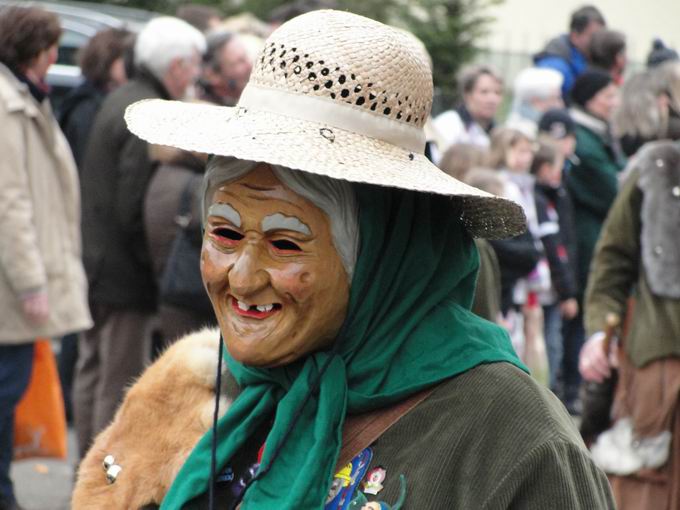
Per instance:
(280,222)
(227,212)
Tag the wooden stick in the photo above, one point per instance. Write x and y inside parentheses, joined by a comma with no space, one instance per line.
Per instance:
(612,323)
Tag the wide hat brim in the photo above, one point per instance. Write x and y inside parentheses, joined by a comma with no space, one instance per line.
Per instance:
(263,136)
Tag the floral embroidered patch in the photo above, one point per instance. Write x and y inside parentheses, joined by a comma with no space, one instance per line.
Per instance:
(360,502)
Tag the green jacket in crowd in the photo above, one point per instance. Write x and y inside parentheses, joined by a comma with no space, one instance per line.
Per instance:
(592,185)
(618,270)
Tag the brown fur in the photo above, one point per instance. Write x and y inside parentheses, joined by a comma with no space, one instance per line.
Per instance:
(160,420)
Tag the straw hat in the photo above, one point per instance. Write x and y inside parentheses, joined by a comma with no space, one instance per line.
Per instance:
(334,94)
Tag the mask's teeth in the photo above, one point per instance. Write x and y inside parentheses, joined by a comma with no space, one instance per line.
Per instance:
(243,306)
(265,308)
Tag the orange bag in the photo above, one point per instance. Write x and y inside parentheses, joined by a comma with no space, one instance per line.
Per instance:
(40,420)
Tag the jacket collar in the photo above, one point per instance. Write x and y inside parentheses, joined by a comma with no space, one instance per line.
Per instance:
(146,76)
(585,119)
(17,98)
(15,94)
(39,94)
(466,118)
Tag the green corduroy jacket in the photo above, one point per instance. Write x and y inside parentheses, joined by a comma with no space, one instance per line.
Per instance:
(491,438)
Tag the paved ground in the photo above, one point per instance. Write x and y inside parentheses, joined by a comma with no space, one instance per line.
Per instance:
(45,484)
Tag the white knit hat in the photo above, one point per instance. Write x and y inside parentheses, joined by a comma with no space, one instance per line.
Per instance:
(537,82)
(334,94)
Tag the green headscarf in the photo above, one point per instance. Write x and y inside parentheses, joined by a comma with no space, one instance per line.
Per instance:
(408,327)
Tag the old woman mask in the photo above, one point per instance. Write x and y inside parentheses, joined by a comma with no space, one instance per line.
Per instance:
(276,267)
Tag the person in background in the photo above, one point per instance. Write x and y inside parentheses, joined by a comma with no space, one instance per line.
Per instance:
(592,184)
(552,205)
(226,69)
(557,126)
(607,52)
(487,303)
(129,56)
(660,53)
(460,158)
(202,17)
(650,107)
(568,53)
(481,89)
(464,162)
(511,154)
(669,73)
(638,256)
(535,91)
(115,176)
(175,185)
(102,65)
(43,289)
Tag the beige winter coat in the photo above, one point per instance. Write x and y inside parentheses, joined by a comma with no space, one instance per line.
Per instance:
(40,244)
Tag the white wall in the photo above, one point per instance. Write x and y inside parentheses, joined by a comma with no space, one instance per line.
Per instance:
(523,26)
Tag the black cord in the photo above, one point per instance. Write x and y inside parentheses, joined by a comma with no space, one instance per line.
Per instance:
(213,453)
(291,426)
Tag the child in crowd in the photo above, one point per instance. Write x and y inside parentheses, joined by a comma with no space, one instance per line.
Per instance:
(459,158)
(553,209)
(463,161)
(511,152)
(487,303)
(557,126)
(524,269)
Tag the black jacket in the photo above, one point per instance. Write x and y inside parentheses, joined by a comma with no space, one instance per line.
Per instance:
(76,116)
(115,175)
(553,209)
(517,257)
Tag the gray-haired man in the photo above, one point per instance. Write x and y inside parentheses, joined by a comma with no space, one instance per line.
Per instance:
(116,172)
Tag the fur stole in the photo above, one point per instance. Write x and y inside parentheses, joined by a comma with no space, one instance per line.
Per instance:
(162,417)
(659,181)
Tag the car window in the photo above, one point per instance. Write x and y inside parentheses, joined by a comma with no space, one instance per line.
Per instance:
(69,45)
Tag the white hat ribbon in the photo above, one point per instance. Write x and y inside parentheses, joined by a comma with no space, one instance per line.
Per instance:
(330,113)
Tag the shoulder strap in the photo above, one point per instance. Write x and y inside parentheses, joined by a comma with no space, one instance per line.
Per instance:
(362,430)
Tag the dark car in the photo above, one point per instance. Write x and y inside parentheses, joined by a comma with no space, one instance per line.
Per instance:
(80,21)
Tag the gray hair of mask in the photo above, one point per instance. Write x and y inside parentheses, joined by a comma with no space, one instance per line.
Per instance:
(335,198)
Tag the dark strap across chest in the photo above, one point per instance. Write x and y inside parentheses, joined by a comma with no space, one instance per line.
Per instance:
(362,430)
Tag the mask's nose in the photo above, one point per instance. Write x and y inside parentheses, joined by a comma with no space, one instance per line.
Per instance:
(248,275)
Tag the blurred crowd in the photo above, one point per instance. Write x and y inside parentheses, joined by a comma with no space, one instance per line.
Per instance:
(590,293)
(573,125)
(577,134)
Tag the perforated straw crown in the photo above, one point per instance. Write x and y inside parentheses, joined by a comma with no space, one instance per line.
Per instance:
(335,94)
